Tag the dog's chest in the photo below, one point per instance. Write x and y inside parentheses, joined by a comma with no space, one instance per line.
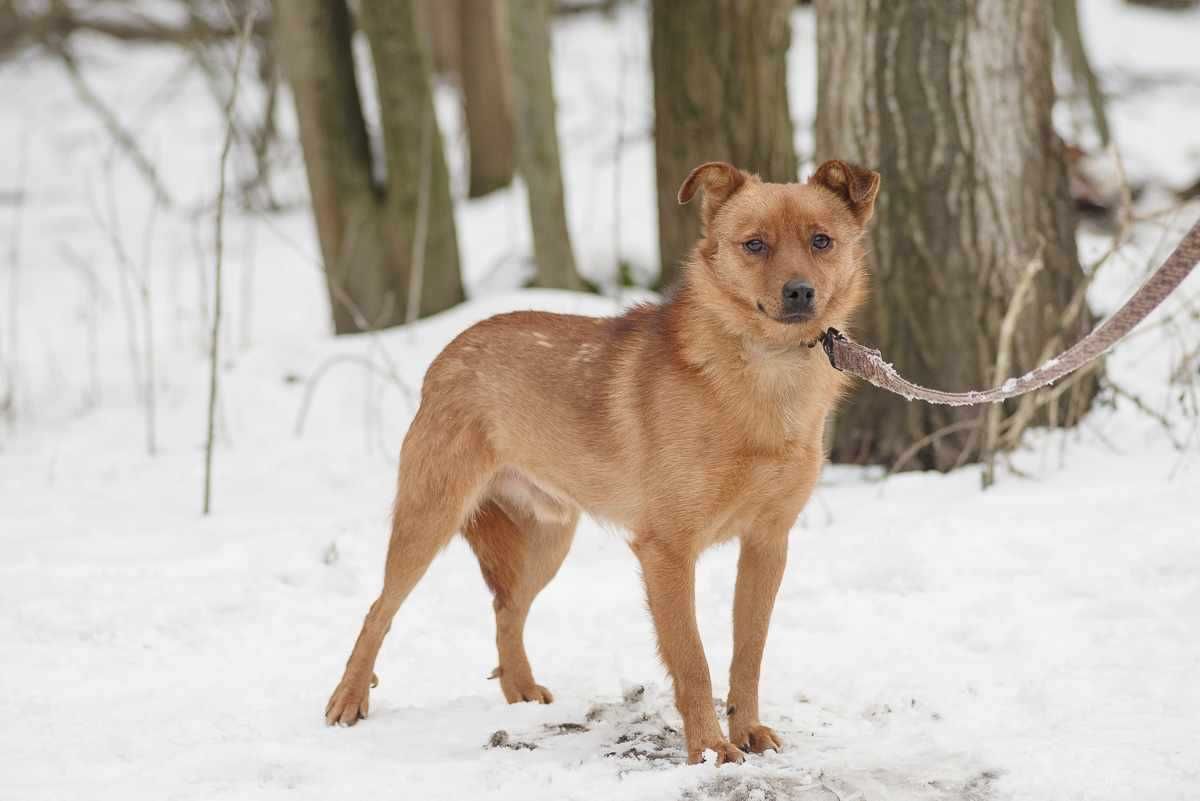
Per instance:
(756,492)
(776,400)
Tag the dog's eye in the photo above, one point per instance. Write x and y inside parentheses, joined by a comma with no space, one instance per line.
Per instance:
(754,246)
(821,242)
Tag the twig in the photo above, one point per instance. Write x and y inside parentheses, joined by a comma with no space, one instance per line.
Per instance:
(91,309)
(1008,327)
(1145,409)
(120,135)
(200,256)
(60,22)
(109,223)
(1066,21)
(310,388)
(1030,403)
(134,281)
(929,439)
(249,260)
(341,297)
(8,402)
(148,331)
(243,39)
(1188,363)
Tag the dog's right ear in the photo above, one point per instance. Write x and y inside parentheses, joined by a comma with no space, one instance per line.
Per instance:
(719,181)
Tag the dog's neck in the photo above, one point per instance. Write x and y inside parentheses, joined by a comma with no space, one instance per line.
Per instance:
(785,389)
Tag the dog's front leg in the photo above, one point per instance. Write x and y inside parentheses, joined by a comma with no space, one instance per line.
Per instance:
(670,575)
(760,570)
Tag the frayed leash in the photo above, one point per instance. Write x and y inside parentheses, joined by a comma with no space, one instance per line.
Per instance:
(850,357)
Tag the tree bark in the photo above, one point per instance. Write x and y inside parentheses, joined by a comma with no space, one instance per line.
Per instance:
(439,19)
(367,229)
(487,94)
(314,41)
(537,142)
(951,103)
(410,139)
(720,94)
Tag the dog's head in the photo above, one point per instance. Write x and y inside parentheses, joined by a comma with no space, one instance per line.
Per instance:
(785,258)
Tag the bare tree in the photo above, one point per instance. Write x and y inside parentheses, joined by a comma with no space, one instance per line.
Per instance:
(720,93)
(367,226)
(486,77)
(219,246)
(951,103)
(537,142)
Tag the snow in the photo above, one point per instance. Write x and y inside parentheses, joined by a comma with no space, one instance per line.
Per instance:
(931,641)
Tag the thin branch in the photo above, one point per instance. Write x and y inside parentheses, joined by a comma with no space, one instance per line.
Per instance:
(94,300)
(310,387)
(929,439)
(220,248)
(8,401)
(1145,408)
(60,22)
(123,138)
(109,223)
(1008,327)
(148,331)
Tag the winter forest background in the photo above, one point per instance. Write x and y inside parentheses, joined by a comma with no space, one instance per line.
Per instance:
(982,604)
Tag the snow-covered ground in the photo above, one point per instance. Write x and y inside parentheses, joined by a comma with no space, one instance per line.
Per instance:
(1038,640)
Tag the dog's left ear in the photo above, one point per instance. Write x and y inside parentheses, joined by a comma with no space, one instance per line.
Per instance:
(856,186)
(718,180)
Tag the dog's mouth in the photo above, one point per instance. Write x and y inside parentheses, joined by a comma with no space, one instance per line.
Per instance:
(788,319)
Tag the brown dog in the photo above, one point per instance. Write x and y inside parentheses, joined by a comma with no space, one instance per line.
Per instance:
(686,423)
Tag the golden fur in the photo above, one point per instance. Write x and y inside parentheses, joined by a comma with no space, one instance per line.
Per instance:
(687,423)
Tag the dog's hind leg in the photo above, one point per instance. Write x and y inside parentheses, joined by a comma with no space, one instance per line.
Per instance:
(439,486)
(518,555)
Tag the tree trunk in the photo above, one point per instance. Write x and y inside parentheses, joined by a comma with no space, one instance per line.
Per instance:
(951,103)
(314,42)
(720,94)
(537,142)
(367,231)
(416,164)
(487,94)
(439,20)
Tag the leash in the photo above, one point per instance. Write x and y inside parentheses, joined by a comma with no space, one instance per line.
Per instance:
(867,363)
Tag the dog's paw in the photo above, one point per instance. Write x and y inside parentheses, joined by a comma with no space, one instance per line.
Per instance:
(756,738)
(528,692)
(350,702)
(725,750)
(517,690)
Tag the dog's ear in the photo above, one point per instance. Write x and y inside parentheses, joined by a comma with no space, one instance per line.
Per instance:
(856,186)
(718,180)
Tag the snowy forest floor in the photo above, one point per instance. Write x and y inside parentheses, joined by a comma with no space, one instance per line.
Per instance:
(1037,640)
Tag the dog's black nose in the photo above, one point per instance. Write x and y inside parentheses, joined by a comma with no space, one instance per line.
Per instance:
(798,296)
